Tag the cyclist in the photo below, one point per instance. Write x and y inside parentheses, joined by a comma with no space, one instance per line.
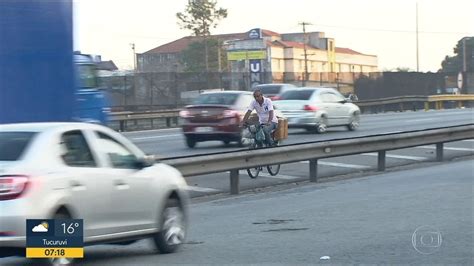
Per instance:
(264,108)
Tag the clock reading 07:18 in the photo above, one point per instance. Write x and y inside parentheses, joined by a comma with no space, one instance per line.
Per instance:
(49,252)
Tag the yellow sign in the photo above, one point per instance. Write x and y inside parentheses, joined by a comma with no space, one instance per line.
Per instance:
(243,55)
(55,252)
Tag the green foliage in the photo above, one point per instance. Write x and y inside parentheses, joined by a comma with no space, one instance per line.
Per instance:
(200,16)
(454,64)
(403,69)
(193,57)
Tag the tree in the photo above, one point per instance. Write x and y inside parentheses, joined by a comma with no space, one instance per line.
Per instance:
(403,69)
(192,56)
(200,16)
(454,64)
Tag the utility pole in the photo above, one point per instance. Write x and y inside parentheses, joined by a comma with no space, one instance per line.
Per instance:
(305,76)
(464,65)
(417,51)
(134,55)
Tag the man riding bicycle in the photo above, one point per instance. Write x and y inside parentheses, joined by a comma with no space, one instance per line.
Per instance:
(264,108)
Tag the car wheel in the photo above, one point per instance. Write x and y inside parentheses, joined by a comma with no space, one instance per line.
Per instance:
(240,142)
(172,228)
(354,122)
(239,139)
(190,142)
(322,126)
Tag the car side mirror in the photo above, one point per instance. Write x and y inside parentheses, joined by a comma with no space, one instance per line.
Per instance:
(144,162)
(345,101)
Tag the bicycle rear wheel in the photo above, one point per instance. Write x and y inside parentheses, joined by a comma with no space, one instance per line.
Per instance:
(253,172)
(273,169)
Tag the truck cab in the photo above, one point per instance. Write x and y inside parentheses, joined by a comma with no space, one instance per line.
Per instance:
(90,102)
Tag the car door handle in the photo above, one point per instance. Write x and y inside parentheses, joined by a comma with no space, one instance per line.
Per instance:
(120,185)
(77,186)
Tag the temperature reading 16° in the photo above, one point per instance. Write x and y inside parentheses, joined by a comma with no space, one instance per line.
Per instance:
(69,229)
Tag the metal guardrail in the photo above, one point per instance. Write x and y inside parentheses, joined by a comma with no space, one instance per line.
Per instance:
(244,159)
(118,116)
(377,105)
(403,103)
(391,100)
(170,115)
(451,97)
(440,99)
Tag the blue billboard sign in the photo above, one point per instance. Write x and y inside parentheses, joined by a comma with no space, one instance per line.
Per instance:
(255,34)
(255,72)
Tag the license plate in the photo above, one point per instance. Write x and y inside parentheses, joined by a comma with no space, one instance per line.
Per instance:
(203,129)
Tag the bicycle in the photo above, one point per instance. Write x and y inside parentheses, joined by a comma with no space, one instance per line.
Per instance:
(258,137)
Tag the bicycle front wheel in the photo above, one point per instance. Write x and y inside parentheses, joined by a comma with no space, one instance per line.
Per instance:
(273,169)
(253,172)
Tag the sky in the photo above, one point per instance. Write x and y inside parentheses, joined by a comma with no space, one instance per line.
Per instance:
(386,28)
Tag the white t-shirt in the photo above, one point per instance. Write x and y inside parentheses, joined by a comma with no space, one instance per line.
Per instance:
(263,110)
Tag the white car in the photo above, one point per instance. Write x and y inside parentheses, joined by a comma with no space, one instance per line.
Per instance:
(317,109)
(90,172)
(274,90)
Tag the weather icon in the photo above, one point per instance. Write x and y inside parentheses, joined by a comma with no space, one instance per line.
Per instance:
(41,228)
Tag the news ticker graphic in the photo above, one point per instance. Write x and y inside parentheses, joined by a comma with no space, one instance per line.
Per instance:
(50,238)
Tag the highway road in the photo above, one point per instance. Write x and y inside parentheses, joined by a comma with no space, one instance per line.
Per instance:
(417,216)
(170,143)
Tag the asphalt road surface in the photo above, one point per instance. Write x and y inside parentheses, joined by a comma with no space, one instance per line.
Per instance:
(417,216)
(171,143)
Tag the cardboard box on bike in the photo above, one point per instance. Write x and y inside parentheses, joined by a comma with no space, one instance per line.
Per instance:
(282,129)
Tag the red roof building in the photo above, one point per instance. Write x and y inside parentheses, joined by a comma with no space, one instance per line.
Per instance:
(282,54)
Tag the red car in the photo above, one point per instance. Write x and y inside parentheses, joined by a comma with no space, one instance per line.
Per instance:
(215,116)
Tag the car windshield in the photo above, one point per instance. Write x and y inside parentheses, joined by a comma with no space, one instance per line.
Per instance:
(269,89)
(86,76)
(297,95)
(13,144)
(217,98)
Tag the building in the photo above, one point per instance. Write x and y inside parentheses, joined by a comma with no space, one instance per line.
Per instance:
(165,58)
(268,56)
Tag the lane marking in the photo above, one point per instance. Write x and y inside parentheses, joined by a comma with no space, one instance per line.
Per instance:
(420,120)
(150,130)
(446,148)
(391,132)
(201,189)
(343,165)
(156,137)
(414,158)
(285,177)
